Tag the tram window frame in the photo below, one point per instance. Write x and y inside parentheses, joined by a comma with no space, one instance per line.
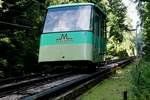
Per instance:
(92,19)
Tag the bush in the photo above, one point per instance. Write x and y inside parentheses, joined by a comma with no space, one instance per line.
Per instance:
(141,80)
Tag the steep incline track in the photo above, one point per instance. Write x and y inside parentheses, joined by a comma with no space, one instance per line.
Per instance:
(50,86)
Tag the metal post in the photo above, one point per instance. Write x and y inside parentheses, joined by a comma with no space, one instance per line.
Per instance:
(125,96)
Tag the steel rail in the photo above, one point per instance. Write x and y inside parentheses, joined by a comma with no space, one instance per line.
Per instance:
(7,88)
(20,78)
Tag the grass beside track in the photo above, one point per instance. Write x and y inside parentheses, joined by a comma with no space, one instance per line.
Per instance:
(113,87)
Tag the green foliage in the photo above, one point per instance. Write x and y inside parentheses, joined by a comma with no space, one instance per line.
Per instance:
(20,47)
(141,80)
(119,38)
(144,11)
(145,0)
(1,2)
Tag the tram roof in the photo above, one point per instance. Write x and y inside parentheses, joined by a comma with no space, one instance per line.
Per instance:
(78,4)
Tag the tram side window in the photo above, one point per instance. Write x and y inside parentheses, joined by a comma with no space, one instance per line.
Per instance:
(104,28)
(97,26)
(102,33)
(105,36)
(99,37)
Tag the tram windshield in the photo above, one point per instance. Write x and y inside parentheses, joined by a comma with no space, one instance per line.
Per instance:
(72,18)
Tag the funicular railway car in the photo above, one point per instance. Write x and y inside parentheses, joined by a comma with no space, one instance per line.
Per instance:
(73,34)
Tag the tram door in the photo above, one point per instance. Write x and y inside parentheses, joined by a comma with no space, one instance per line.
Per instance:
(96,36)
(99,36)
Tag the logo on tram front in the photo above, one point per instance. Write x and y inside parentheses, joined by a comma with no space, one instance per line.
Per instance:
(64,37)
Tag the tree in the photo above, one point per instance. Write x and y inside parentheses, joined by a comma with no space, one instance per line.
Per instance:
(144,11)
(19,45)
(116,29)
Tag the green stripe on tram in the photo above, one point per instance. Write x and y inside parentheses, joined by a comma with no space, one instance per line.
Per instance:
(65,38)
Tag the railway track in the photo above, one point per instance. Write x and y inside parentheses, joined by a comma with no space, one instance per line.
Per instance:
(22,78)
(17,87)
(50,86)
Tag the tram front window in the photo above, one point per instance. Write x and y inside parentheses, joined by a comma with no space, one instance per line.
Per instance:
(73,18)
